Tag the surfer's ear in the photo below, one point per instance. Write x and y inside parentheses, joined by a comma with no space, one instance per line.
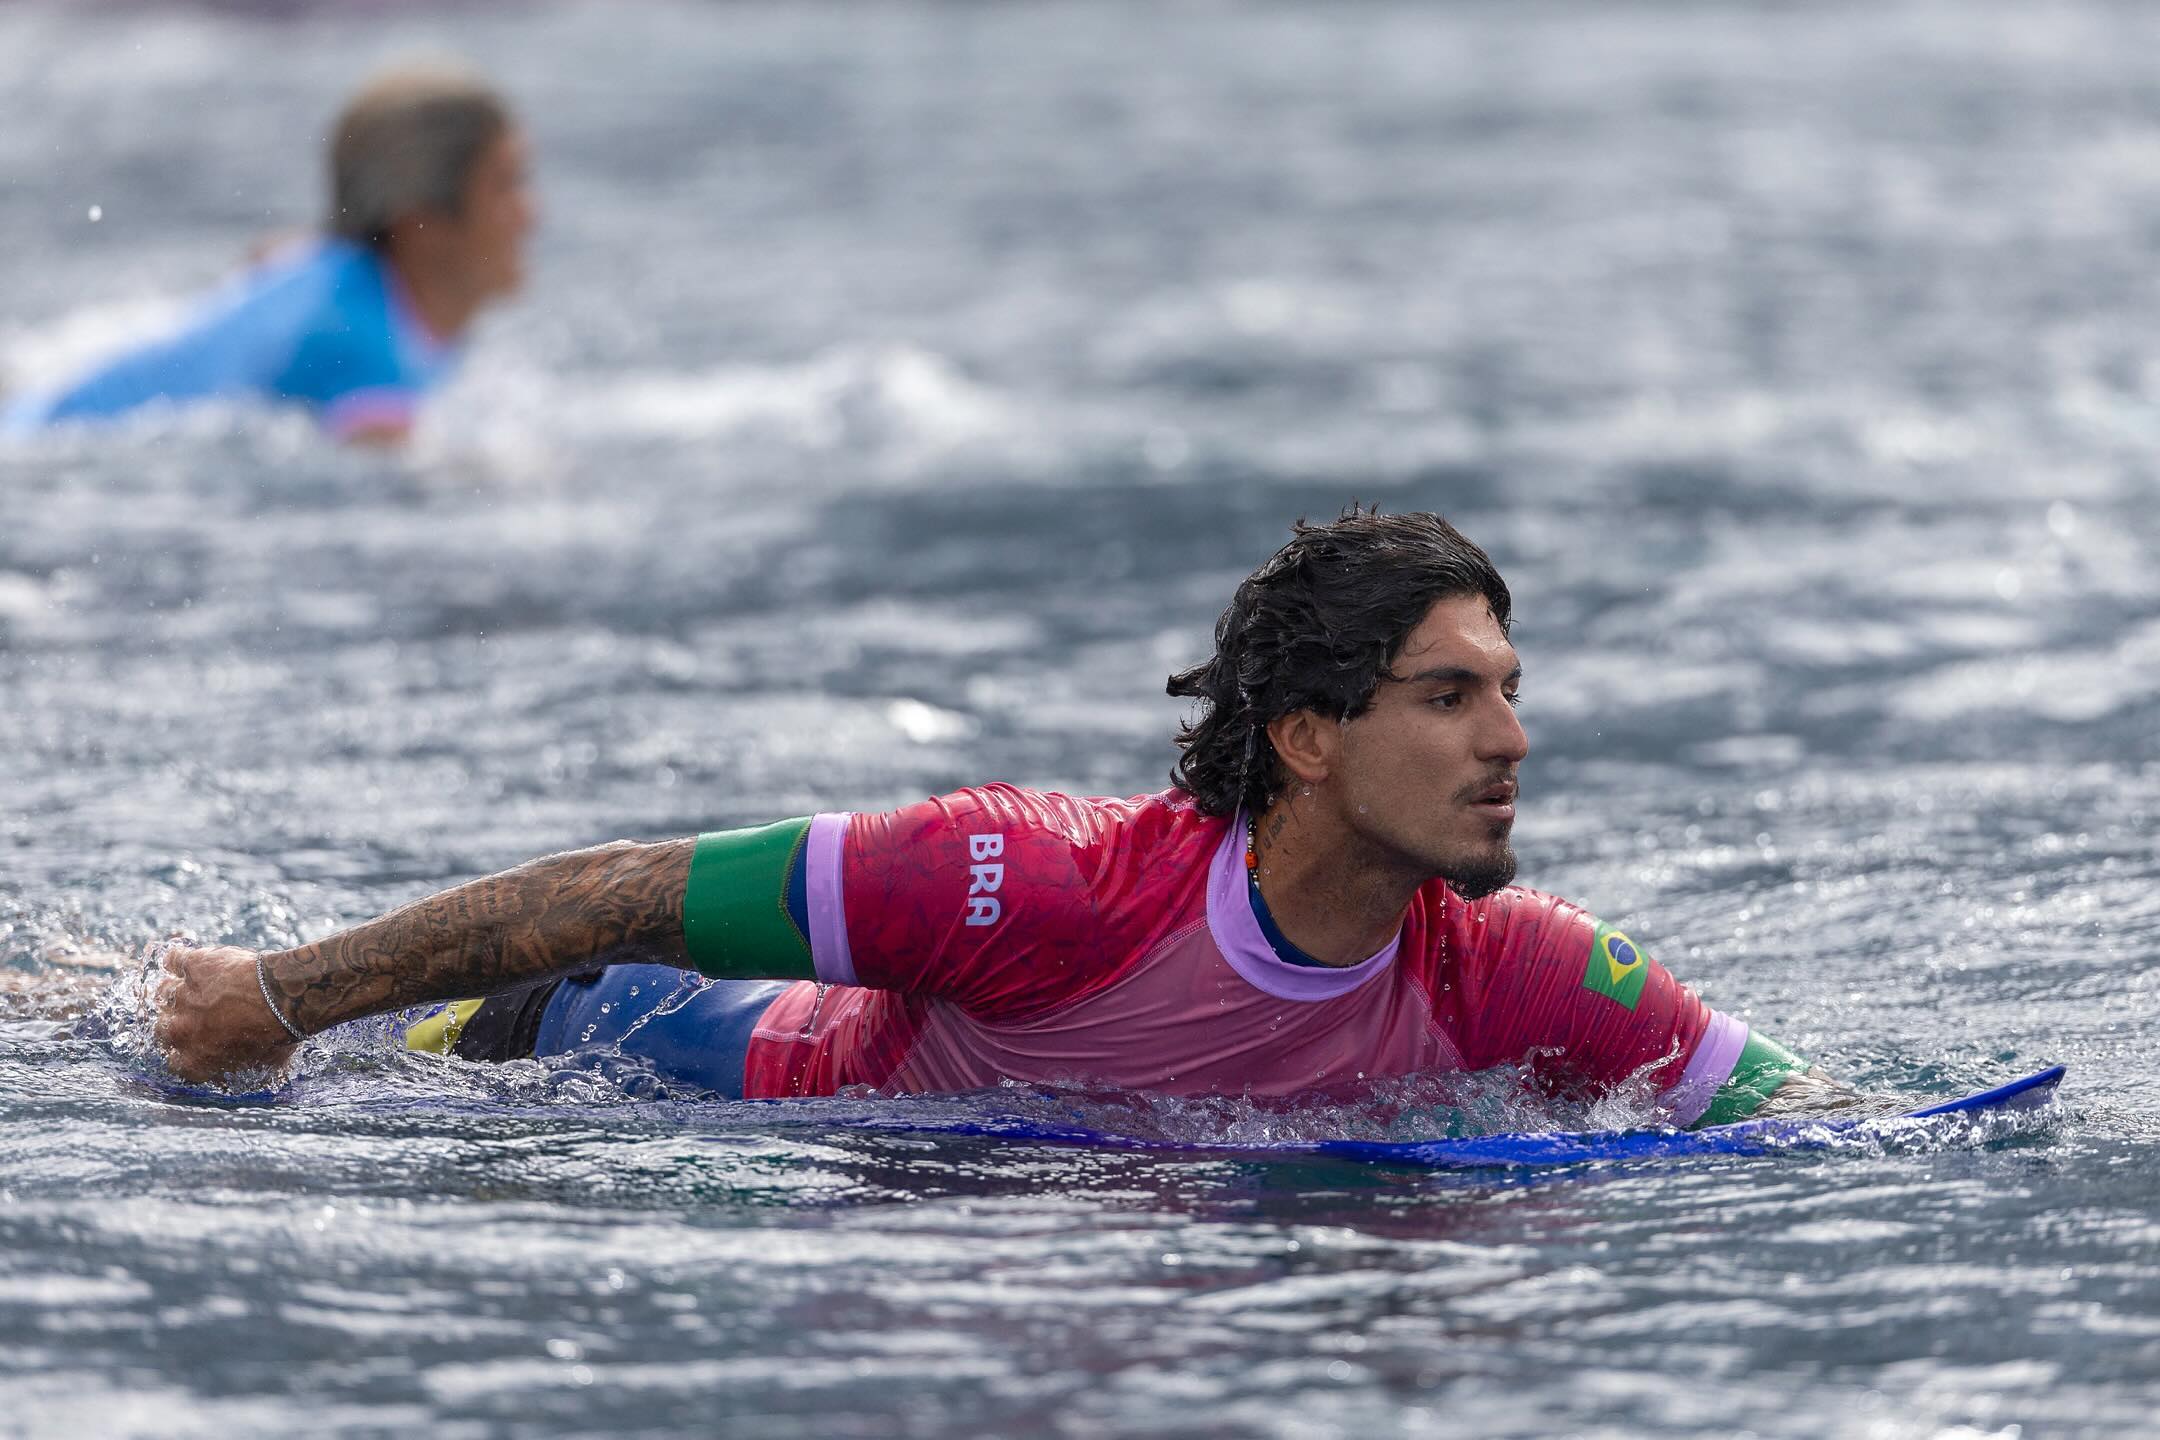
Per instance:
(1307,743)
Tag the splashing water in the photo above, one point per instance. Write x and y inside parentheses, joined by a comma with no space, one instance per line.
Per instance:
(896,404)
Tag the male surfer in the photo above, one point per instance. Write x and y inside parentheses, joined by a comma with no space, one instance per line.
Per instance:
(1322,899)
(429,211)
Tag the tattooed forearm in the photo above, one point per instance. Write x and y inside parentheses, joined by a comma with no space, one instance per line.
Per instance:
(545,917)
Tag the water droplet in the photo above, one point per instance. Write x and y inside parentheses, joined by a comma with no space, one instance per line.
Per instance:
(97,213)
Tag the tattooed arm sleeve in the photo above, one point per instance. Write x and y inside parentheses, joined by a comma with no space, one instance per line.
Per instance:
(543,918)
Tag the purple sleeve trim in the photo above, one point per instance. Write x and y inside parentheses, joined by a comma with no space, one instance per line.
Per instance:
(829,954)
(1708,1069)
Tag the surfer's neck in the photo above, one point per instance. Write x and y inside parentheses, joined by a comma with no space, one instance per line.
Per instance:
(442,298)
(1327,892)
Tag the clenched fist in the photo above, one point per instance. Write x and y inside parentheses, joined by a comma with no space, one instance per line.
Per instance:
(211,1017)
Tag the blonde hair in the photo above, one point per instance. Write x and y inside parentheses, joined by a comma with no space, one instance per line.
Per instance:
(407,142)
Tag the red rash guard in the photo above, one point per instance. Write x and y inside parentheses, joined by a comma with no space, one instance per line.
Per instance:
(1007,934)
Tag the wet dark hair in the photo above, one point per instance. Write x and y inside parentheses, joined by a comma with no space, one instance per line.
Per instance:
(1316,628)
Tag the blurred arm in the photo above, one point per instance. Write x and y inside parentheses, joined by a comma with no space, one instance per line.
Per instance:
(1810,1093)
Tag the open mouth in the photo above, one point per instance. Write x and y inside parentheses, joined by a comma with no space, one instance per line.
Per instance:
(1497,801)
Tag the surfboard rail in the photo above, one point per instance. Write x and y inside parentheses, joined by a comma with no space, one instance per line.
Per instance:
(1537,1150)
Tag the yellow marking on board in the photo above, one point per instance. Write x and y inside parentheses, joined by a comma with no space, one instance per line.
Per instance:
(437,1034)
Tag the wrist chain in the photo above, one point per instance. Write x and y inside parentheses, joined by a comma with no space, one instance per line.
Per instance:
(262,978)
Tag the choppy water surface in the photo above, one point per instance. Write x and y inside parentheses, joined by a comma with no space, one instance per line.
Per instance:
(901,391)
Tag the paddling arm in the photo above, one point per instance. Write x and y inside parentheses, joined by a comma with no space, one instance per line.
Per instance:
(1809,1093)
(544,918)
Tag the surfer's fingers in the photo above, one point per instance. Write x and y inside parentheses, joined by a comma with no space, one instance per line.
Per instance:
(178,1024)
(211,1017)
(164,996)
(174,967)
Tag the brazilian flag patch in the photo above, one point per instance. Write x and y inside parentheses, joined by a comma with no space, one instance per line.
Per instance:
(1617,969)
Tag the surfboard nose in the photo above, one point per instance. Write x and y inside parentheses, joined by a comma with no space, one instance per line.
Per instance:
(2028,1093)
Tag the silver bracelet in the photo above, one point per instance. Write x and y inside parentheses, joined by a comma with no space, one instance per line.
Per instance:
(262,978)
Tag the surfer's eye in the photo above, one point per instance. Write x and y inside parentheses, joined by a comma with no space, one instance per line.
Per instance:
(1447,699)
(1513,697)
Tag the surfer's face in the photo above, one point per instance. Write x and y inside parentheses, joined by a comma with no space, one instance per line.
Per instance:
(1427,774)
(496,215)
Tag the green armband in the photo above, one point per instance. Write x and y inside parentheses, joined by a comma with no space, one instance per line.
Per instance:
(735,917)
(1763,1066)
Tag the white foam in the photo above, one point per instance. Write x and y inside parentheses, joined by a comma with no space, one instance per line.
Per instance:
(850,396)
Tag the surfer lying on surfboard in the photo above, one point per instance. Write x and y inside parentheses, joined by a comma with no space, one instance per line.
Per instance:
(1323,898)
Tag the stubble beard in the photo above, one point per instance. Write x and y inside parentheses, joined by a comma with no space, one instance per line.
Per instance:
(1474,871)
(1476,876)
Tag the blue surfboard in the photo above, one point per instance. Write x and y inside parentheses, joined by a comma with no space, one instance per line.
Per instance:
(1743,1137)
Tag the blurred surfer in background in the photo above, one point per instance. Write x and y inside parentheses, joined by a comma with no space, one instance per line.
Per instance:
(429,212)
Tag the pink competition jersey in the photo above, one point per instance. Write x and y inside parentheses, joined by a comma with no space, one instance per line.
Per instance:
(1006,934)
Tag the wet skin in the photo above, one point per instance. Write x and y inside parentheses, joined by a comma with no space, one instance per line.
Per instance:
(1420,784)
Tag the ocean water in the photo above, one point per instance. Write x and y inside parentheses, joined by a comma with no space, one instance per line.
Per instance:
(900,392)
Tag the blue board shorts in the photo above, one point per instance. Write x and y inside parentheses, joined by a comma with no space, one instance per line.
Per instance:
(690,1030)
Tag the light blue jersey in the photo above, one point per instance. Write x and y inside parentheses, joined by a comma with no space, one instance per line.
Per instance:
(328,327)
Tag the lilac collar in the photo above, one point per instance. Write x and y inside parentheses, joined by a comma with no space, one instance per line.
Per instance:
(1237,934)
